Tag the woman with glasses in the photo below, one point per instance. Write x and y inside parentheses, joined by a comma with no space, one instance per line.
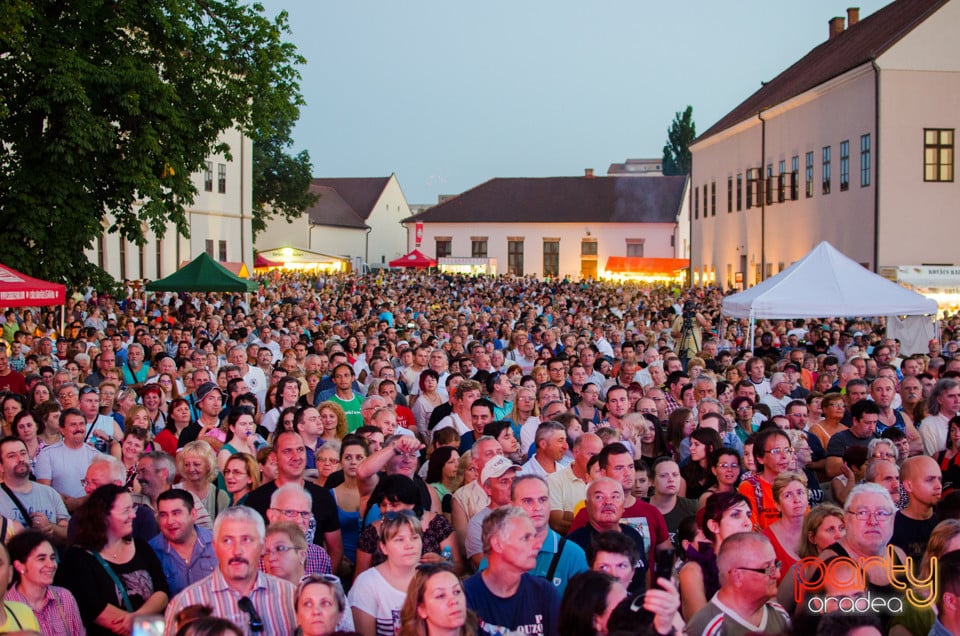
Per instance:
(790,493)
(725,464)
(35,563)
(110,573)
(743,412)
(723,515)
(378,593)
(241,435)
(241,476)
(328,461)
(285,551)
(436,604)
(321,606)
(398,493)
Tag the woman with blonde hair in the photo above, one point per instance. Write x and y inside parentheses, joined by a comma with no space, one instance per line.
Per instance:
(197,467)
(334,421)
(241,475)
(790,497)
(378,593)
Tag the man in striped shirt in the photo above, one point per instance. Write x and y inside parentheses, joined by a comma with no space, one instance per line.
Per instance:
(237,591)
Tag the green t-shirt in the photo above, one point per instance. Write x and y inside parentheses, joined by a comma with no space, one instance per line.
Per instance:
(351,408)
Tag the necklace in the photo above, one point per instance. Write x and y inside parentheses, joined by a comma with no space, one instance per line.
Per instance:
(116,553)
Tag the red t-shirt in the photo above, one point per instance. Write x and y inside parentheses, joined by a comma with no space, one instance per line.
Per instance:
(13,382)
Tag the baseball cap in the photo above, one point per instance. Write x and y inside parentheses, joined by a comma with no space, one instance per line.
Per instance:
(496,467)
(206,388)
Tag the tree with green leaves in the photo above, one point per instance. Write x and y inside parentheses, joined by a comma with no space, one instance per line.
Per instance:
(676,153)
(108,106)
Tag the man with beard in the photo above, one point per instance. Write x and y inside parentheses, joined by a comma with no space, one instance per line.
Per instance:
(34,505)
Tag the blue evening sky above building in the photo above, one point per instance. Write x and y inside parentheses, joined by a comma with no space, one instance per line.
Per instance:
(448,94)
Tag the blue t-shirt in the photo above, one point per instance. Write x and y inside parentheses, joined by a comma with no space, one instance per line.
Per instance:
(532,610)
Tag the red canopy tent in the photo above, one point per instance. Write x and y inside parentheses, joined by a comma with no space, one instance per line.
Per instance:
(414,259)
(260,261)
(20,290)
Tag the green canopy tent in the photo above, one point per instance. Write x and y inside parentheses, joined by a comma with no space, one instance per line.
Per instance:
(205,275)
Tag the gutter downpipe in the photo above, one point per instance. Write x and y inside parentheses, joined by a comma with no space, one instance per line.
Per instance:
(366,247)
(876,164)
(761,189)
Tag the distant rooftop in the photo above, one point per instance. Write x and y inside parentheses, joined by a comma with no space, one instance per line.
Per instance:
(637,168)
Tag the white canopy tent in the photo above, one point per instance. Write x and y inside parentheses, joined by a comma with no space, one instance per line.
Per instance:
(826,283)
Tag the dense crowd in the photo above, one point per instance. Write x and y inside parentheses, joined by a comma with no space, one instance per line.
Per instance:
(409,453)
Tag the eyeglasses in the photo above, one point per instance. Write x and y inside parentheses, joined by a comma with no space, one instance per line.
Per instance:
(771,570)
(256,623)
(726,466)
(87,390)
(863,515)
(777,452)
(744,408)
(293,514)
(280,550)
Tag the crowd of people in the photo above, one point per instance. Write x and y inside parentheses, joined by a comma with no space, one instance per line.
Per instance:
(435,454)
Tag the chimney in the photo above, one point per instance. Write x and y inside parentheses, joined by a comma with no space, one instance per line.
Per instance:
(853,16)
(588,173)
(836,27)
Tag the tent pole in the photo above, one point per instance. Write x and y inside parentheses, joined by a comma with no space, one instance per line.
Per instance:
(750,331)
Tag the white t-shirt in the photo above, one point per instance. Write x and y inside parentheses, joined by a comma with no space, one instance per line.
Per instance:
(371,593)
(65,467)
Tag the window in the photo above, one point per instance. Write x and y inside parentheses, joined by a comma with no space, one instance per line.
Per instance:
(159,256)
(101,252)
(142,259)
(222,178)
(706,206)
(794,175)
(808,176)
(123,259)
(739,191)
(696,203)
(938,154)
(864,160)
(635,247)
(844,165)
(209,247)
(551,258)
(208,177)
(771,184)
(478,248)
(729,194)
(713,198)
(223,251)
(753,187)
(782,181)
(588,247)
(825,174)
(515,257)
(443,248)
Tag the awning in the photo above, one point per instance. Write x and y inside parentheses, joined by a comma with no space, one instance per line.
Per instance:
(259,261)
(235,267)
(645,266)
(20,290)
(415,259)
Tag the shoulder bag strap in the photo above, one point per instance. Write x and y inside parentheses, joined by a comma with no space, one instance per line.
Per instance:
(556,559)
(127,605)
(28,521)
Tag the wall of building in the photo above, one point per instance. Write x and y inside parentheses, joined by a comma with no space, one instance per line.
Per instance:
(611,238)
(213,216)
(839,110)
(388,237)
(920,88)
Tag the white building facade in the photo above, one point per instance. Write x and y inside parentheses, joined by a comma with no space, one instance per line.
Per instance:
(853,144)
(219,222)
